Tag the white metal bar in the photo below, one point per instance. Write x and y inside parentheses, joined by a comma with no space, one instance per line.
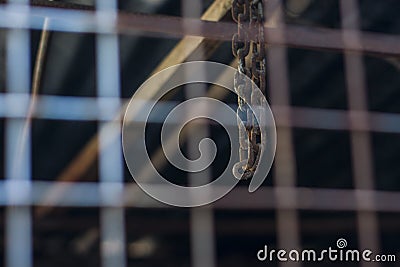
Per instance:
(84,194)
(112,220)
(18,241)
(360,141)
(201,219)
(15,106)
(299,36)
(285,164)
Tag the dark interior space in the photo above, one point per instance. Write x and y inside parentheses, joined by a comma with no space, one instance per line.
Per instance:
(162,236)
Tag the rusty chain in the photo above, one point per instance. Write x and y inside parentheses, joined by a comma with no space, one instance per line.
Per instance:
(249,15)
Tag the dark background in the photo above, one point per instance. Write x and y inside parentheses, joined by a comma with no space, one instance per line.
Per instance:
(323,157)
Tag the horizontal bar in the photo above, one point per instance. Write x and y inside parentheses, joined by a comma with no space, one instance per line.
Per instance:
(56,4)
(61,107)
(84,194)
(133,23)
(106,109)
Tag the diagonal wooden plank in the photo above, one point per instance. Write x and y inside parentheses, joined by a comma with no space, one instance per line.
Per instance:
(187,46)
(190,43)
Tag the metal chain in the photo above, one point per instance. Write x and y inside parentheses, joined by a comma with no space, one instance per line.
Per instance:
(249,15)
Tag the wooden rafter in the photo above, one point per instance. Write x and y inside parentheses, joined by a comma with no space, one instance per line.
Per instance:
(82,162)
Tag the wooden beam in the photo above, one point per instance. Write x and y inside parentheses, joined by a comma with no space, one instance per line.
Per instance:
(190,43)
(179,54)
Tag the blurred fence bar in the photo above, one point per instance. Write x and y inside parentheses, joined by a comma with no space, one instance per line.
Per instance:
(112,222)
(148,25)
(285,164)
(84,194)
(18,229)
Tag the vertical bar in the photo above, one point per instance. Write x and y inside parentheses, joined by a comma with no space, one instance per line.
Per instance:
(112,222)
(285,165)
(360,141)
(18,236)
(201,219)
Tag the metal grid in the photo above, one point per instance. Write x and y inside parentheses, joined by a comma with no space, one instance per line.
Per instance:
(18,192)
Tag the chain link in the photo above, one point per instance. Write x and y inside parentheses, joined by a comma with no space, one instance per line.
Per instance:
(249,15)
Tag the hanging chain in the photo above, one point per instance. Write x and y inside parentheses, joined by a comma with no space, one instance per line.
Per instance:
(249,15)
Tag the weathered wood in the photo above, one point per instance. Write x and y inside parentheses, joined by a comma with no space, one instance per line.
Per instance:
(88,155)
